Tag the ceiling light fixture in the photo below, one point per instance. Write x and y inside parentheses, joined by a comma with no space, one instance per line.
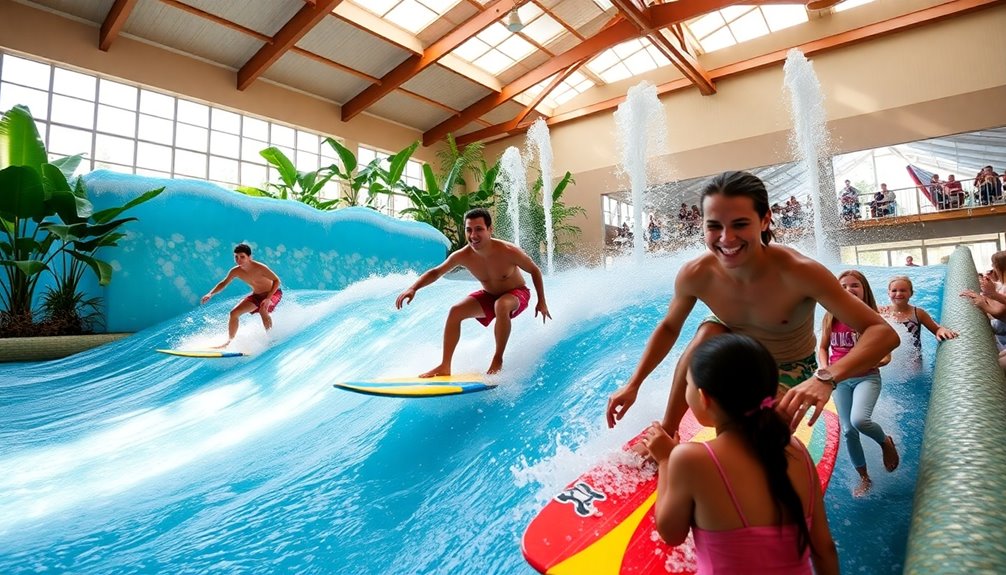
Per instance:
(513,22)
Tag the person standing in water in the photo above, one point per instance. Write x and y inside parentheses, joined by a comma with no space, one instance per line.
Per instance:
(265,295)
(856,396)
(763,290)
(900,291)
(504,295)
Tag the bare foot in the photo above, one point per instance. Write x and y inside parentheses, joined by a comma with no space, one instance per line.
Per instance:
(495,367)
(436,372)
(891,457)
(865,484)
(221,346)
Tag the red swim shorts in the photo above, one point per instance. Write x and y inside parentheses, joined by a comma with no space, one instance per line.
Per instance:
(488,303)
(258,298)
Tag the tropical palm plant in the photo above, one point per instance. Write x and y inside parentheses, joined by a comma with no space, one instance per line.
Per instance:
(304,187)
(532,215)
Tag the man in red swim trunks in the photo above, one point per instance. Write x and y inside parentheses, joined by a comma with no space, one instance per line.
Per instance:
(504,295)
(265,290)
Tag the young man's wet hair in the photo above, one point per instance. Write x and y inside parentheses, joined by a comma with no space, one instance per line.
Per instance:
(477,213)
(242,249)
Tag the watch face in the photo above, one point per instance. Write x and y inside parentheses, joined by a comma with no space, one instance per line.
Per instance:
(823,374)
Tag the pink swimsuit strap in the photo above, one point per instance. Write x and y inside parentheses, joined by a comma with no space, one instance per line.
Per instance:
(733,496)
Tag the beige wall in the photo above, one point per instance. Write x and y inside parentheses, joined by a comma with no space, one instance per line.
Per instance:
(915,84)
(43,35)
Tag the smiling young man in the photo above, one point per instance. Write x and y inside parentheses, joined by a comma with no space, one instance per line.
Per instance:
(504,295)
(265,294)
(759,289)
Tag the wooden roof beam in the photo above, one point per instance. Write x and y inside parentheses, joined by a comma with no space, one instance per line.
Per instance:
(296,28)
(114,21)
(677,55)
(419,62)
(620,31)
(505,128)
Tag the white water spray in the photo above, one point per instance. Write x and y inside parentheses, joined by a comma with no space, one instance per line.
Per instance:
(513,179)
(810,139)
(538,138)
(642,132)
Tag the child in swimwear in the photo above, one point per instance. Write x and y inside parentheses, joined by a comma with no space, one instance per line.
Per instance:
(751,496)
(856,396)
(900,290)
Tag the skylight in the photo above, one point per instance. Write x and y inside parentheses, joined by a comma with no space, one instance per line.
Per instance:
(626,60)
(736,24)
(495,49)
(575,84)
(850,4)
(411,15)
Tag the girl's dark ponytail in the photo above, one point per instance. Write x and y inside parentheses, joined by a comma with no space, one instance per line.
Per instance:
(716,367)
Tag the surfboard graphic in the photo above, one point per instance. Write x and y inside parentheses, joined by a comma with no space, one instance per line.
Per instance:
(603,522)
(419,387)
(202,353)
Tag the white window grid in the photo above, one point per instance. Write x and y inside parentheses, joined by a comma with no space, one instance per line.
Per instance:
(131,129)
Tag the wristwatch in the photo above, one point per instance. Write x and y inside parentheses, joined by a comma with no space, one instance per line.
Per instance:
(825,376)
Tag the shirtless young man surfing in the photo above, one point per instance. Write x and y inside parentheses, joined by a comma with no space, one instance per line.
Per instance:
(265,290)
(504,295)
(763,290)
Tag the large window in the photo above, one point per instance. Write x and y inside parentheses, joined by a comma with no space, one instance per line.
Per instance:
(130,129)
(392,204)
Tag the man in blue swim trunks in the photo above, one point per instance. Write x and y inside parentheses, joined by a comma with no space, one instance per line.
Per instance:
(504,295)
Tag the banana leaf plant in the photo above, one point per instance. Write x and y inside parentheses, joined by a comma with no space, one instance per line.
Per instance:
(304,187)
(80,238)
(32,190)
(437,205)
(38,208)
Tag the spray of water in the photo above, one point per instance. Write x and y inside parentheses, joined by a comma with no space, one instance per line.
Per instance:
(642,132)
(538,140)
(513,179)
(810,140)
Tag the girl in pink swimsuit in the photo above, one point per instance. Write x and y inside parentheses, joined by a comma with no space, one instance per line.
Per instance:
(751,497)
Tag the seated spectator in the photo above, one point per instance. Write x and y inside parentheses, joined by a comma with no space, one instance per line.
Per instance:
(890,201)
(653,230)
(990,190)
(910,262)
(795,212)
(850,202)
(936,193)
(954,192)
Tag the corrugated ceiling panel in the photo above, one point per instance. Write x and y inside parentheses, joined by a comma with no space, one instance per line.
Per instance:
(577,13)
(314,77)
(503,113)
(468,129)
(90,10)
(266,17)
(565,43)
(442,85)
(594,26)
(408,111)
(191,34)
(348,45)
(449,21)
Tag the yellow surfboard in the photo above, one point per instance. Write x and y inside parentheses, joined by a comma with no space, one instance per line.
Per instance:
(419,387)
(203,353)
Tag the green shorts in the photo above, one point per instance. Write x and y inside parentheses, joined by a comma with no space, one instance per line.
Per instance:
(791,372)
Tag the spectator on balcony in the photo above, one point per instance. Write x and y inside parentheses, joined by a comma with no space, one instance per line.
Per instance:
(936,193)
(850,202)
(990,189)
(954,192)
(884,203)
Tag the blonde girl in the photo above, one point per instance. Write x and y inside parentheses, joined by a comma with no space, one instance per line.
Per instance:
(900,291)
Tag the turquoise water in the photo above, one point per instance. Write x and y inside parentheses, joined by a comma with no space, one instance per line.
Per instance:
(122,460)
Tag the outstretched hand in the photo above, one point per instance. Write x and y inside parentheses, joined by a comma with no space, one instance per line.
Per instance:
(799,399)
(543,309)
(945,333)
(205,299)
(619,403)
(405,297)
